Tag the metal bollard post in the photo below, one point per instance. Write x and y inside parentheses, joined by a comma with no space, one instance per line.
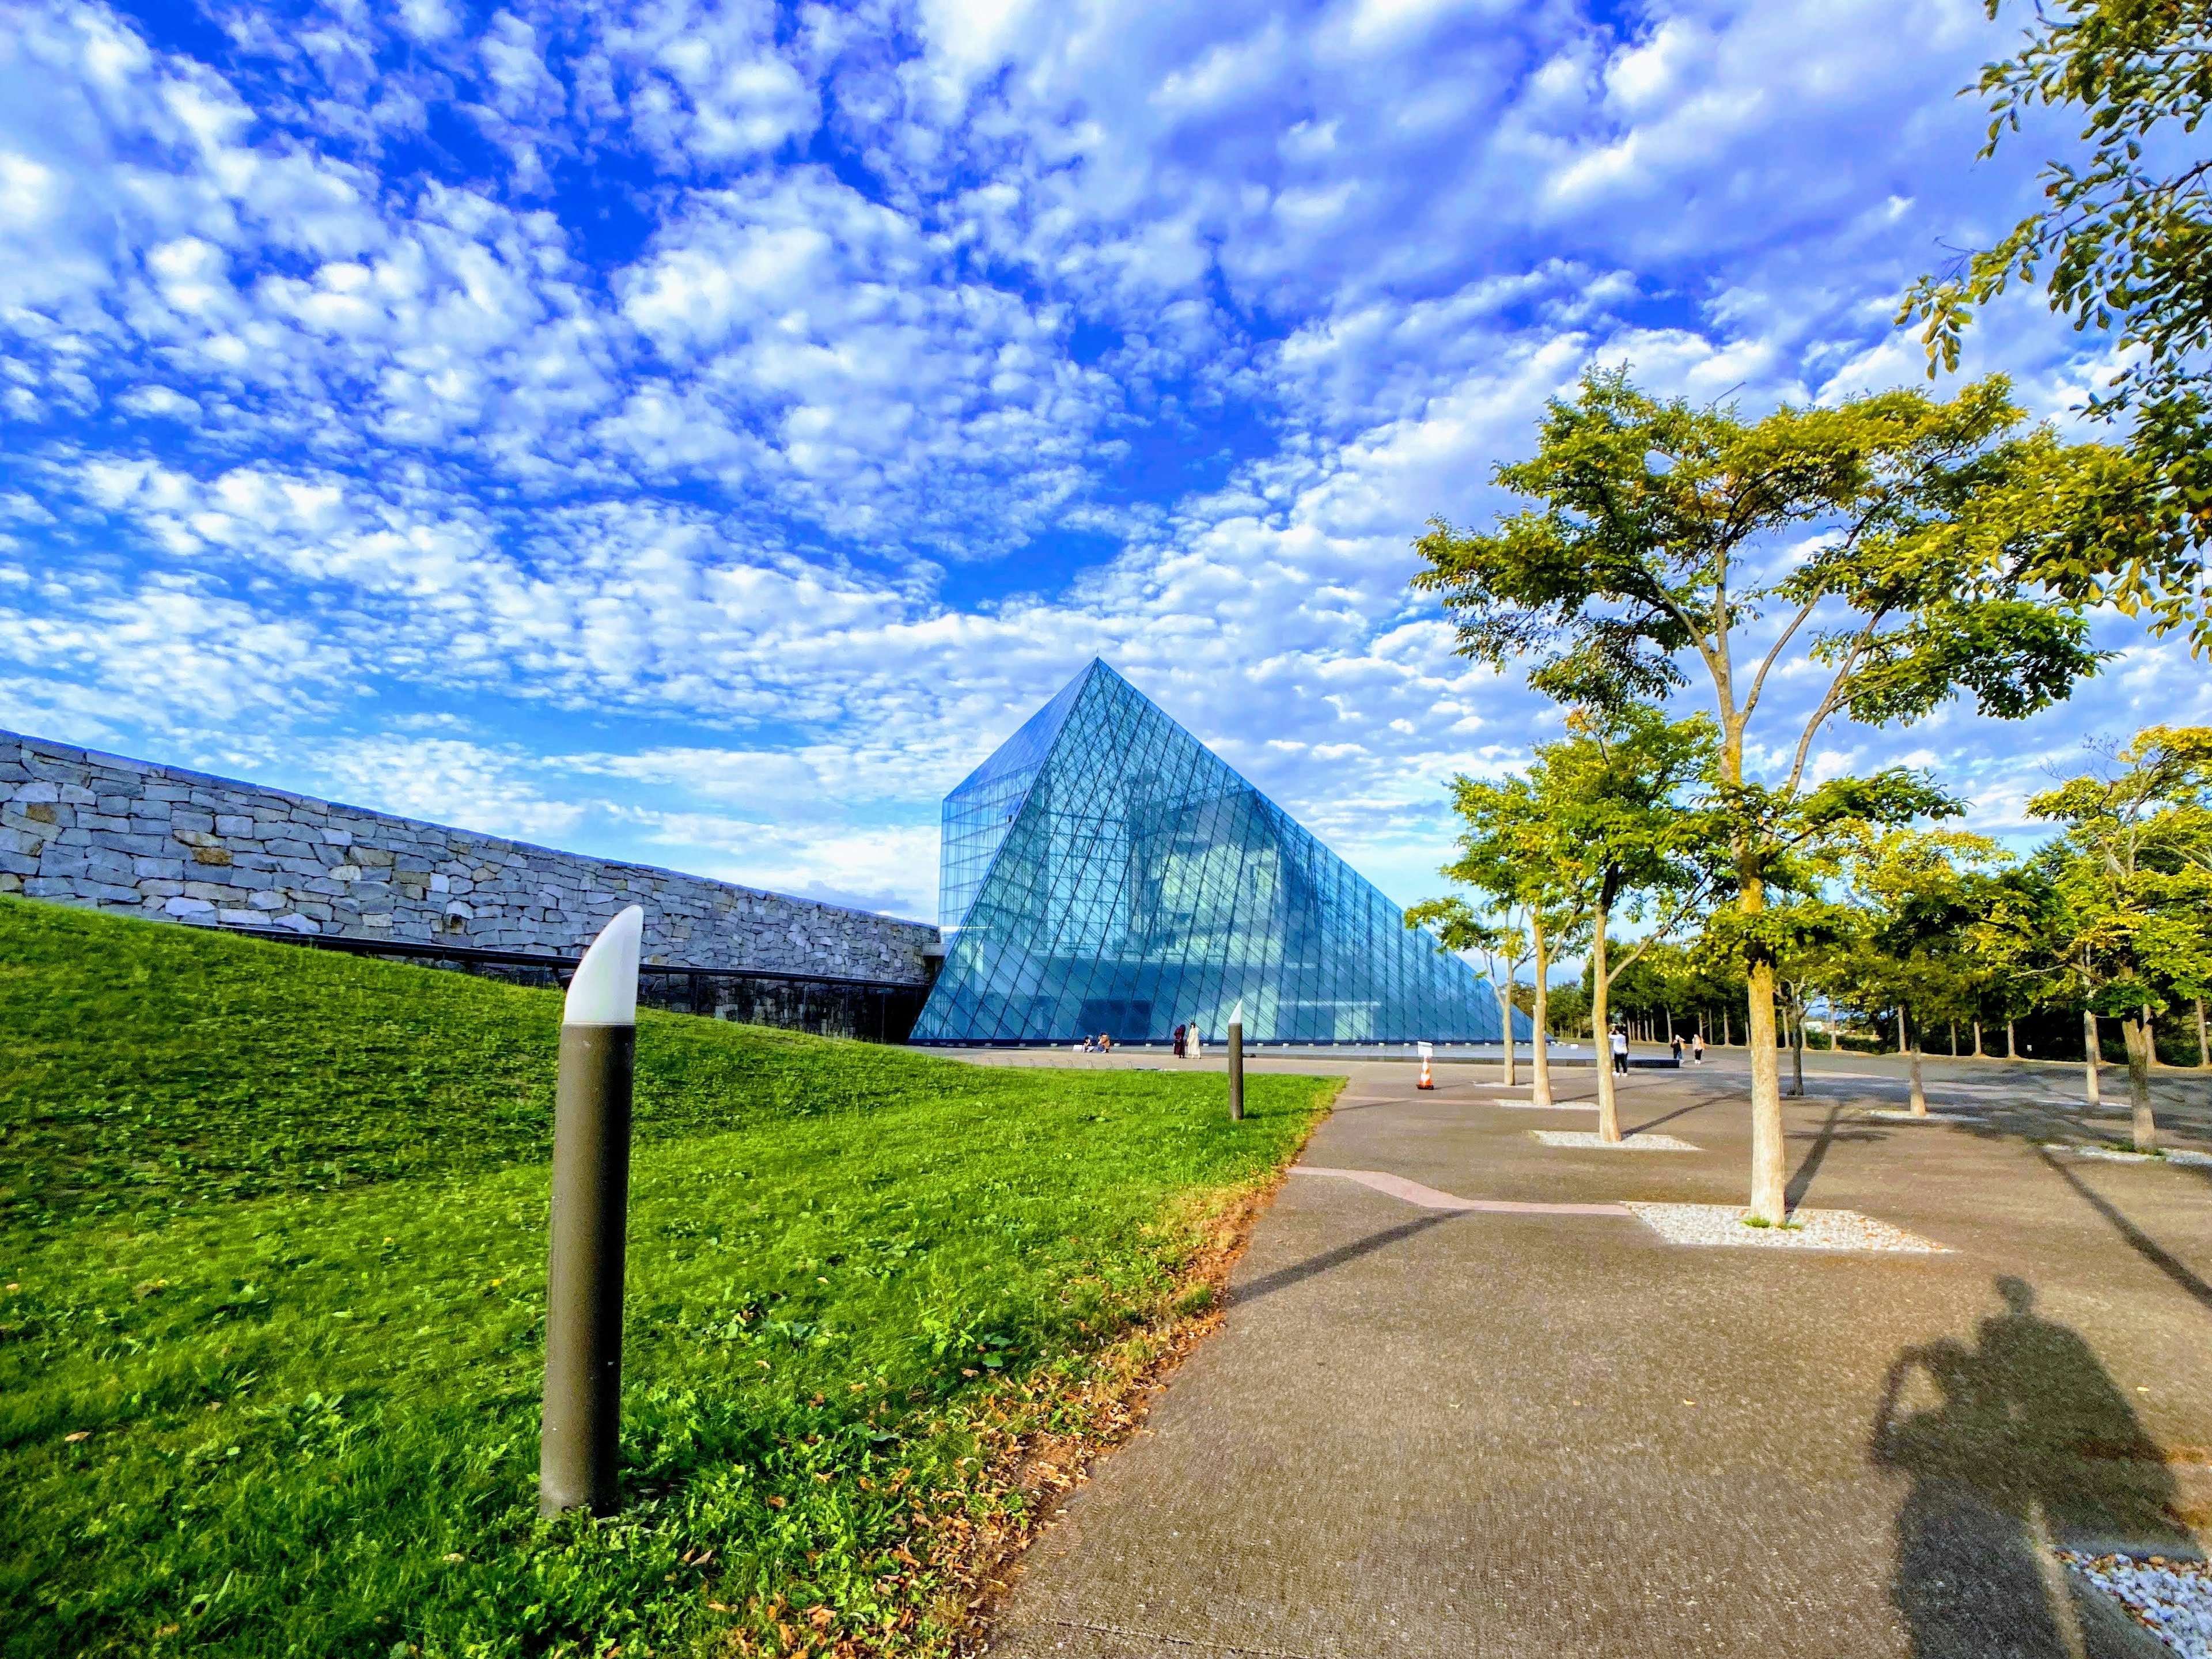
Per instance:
(591,1205)
(1236,1065)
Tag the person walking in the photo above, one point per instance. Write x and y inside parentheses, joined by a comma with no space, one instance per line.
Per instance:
(1181,1039)
(1621,1050)
(1674,1042)
(1697,1047)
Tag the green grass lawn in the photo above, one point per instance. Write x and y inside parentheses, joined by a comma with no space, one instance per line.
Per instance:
(272,1238)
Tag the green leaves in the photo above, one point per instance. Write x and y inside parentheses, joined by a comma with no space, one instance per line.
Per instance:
(1615,814)
(2120,244)
(2126,911)
(1652,522)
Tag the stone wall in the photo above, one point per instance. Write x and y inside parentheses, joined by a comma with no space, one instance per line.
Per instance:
(78,827)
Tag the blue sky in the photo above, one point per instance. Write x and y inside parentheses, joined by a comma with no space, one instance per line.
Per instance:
(700,434)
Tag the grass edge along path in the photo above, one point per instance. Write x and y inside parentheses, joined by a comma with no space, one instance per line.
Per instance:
(272,1320)
(1042,1432)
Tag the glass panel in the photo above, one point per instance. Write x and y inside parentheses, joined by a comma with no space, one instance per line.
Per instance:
(1106,871)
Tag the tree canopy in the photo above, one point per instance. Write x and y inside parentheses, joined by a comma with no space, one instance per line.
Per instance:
(2129,910)
(2123,242)
(1879,544)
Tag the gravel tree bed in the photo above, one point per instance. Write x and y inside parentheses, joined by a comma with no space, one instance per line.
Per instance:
(2172,1599)
(1807,1230)
(1556,1106)
(1902,1114)
(2119,1155)
(1627,1144)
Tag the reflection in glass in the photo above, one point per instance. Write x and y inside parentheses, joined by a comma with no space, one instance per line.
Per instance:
(1103,871)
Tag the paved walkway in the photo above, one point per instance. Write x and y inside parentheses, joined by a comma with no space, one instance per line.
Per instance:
(1540,1430)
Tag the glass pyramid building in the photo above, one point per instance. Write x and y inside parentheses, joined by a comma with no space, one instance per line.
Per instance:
(1105,871)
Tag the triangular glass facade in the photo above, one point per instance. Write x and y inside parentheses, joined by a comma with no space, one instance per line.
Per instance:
(1105,872)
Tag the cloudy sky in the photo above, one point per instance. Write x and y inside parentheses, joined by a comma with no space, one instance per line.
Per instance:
(699,433)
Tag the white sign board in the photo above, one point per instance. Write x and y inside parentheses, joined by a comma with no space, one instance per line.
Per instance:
(1428,1050)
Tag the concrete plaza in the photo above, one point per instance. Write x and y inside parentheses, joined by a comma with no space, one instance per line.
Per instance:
(1428,1431)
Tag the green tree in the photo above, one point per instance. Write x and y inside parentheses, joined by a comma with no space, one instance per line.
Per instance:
(2027,939)
(2124,240)
(1662,989)
(1814,937)
(1570,1005)
(1506,857)
(1921,892)
(2132,885)
(1623,796)
(1655,538)
(1504,945)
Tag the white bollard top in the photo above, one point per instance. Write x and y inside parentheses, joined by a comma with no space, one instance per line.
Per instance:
(604,990)
(1236,1014)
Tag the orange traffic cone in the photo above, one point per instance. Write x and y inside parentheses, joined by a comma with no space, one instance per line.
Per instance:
(1426,1082)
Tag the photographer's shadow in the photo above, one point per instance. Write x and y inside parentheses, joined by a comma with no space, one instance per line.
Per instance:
(2029,1446)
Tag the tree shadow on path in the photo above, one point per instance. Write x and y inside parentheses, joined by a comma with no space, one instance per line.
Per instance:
(1802,1183)
(2028,1444)
(1297,1272)
(2137,1240)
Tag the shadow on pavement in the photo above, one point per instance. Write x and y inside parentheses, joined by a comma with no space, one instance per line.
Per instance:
(1802,1183)
(1283,1278)
(2139,1241)
(2027,1444)
(1668,1117)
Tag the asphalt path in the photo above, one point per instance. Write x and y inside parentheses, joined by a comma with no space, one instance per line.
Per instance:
(1527,1425)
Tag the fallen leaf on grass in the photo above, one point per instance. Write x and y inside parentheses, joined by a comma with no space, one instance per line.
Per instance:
(74,1436)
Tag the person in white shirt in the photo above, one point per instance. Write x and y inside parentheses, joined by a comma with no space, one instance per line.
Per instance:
(1620,1050)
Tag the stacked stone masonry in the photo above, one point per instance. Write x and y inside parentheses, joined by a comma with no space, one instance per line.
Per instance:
(78,827)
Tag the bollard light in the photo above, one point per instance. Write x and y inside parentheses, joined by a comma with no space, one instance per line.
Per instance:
(591,1204)
(1236,1064)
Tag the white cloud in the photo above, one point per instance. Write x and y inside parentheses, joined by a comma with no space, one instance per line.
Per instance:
(691,473)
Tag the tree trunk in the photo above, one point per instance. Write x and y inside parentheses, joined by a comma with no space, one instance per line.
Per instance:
(2203,1046)
(1978,1055)
(1770,1197)
(1797,1048)
(1540,1035)
(1912,1066)
(2137,1035)
(1728,1041)
(1670,1028)
(1505,1013)
(2012,1049)
(1954,1039)
(1903,1046)
(1608,1107)
(2090,1041)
